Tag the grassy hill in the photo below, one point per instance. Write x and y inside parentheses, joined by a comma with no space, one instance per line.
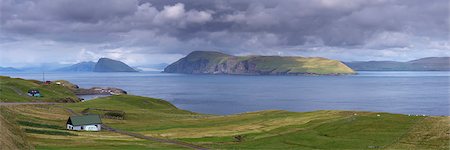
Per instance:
(42,127)
(15,90)
(206,62)
(275,129)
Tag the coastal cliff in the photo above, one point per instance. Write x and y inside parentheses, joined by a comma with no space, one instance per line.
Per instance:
(207,62)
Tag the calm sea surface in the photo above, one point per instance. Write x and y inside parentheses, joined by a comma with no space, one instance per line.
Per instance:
(397,92)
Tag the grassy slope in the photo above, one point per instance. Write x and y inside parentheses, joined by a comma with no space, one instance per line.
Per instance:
(265,129)
(53,119)
(271,129)
(300,65)
(11,136)
(15,90)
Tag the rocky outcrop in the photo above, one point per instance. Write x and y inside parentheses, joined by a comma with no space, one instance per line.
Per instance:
(204,62)
(100,91)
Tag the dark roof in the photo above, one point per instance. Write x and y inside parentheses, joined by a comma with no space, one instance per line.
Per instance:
(84,120)
(33,91)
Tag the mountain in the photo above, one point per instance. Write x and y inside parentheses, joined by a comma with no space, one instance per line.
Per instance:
(79,67)
(423,64)
(109,65)
(9,69)
(208,62)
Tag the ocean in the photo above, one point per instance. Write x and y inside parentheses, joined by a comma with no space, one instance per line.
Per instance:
(415,93)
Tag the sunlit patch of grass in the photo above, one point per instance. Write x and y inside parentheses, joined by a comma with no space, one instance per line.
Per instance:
(430,133)
(41,133)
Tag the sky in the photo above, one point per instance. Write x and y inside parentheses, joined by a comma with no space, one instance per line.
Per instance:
(146,32)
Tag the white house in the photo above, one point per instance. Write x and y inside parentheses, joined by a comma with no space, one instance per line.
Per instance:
(86,123)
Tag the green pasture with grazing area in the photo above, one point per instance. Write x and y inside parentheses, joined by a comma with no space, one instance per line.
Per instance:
(266,129)
(43,126)
(15,90)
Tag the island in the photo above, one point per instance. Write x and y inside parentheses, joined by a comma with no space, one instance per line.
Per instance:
(210,62)
(102,65)
(422,64)
(109,65)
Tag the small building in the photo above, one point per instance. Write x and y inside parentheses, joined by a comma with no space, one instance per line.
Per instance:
(48,82)
(34,92)
(86,123)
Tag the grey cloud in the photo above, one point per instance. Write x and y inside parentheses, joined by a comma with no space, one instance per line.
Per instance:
(249,26)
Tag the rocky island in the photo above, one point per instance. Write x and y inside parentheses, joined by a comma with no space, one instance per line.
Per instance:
(110,65)
(102,65)
(209,62)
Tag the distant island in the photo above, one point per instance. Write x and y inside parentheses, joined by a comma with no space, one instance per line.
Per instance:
(102,65)
(80,67)
(9,69)
(209,62)
(423,64)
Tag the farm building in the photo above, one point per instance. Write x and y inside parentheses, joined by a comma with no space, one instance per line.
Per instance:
(34,92)
(86,123)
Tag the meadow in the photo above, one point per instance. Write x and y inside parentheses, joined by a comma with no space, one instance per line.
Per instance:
(43,127)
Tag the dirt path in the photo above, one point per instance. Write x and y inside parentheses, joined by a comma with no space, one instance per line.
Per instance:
(19,92)
(136,135)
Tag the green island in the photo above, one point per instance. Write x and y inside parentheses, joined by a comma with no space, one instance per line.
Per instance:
(43,126)
(210,62)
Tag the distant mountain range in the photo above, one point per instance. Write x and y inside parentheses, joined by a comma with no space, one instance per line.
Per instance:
(423,64)
(79,67)
(102,65)
(208,62)
(218,63)
(9,69)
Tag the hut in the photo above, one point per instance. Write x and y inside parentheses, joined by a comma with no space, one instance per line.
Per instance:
(34,92)
(86,123)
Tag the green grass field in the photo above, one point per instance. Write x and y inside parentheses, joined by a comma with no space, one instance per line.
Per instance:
(15,90)
(42,127)
(268,129)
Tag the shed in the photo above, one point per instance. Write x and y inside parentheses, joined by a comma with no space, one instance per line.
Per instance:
(86,123)
(34,92)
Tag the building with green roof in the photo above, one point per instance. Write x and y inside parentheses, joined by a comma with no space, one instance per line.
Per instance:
(86,123)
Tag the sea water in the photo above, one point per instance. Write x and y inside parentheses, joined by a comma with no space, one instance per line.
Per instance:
(416,93)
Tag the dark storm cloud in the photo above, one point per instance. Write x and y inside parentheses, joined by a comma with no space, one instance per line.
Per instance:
(239,27)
